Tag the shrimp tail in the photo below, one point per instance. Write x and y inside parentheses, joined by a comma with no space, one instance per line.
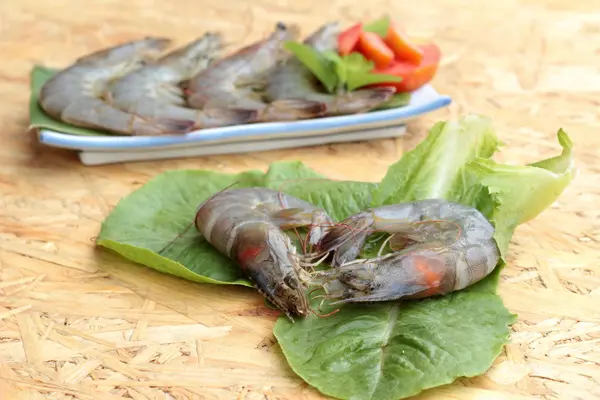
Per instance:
(347,237)
(165,126)
(93,113)
(361,100)
(216,117)
(291,110)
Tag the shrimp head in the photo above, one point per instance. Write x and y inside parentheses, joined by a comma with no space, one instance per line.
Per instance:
(269,258)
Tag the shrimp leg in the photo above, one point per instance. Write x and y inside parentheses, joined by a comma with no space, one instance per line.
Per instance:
(318,222)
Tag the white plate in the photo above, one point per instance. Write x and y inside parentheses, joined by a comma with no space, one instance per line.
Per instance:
(91,157)
(424,100)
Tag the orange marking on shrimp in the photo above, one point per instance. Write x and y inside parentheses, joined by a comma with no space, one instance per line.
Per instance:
(247,255)
(431,273)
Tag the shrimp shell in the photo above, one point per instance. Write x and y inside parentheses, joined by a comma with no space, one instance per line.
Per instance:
(154,90)
(75,94)
(292,80)
(446,246)
(246,226)
(236,81)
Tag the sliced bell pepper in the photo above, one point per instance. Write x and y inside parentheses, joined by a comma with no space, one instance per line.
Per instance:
(372,46)
(348,39)
(413,76)
(402,47)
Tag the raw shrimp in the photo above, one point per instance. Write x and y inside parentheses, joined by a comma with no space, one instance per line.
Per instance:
(246,225)
(75,94)
(292,80)
(236,80)
(154,91)
(446,247)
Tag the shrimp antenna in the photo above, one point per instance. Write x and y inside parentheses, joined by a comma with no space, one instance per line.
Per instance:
(180,235)
(313,290)
(321,304)
(324,315)
(211,198)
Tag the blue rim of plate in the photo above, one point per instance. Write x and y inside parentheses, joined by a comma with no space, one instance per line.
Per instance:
(424,100)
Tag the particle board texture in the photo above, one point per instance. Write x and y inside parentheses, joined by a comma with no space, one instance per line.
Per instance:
(77,323)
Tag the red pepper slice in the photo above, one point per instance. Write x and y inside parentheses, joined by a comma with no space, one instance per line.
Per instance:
(413,76)
(402,47)
(372,46)
(348,40)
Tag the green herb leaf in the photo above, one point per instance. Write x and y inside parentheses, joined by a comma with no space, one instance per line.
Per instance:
(379,26)
(38,118)
(354,71)
(315,62)
(397,100)
(339,68)
(358,72)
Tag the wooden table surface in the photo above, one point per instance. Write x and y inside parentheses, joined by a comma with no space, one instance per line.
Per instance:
(530,65)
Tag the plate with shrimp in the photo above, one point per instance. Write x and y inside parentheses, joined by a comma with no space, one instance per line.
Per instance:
(139,97)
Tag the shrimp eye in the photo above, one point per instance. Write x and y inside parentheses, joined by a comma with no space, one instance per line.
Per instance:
(288,280)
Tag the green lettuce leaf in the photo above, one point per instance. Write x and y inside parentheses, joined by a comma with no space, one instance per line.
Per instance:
(340,198)
(436,167)
(397,100)
(389,351)
(521,193)
(38,118)
(153,226)
(383,351)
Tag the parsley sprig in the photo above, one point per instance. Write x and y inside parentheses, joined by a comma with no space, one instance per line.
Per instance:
(339,73)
